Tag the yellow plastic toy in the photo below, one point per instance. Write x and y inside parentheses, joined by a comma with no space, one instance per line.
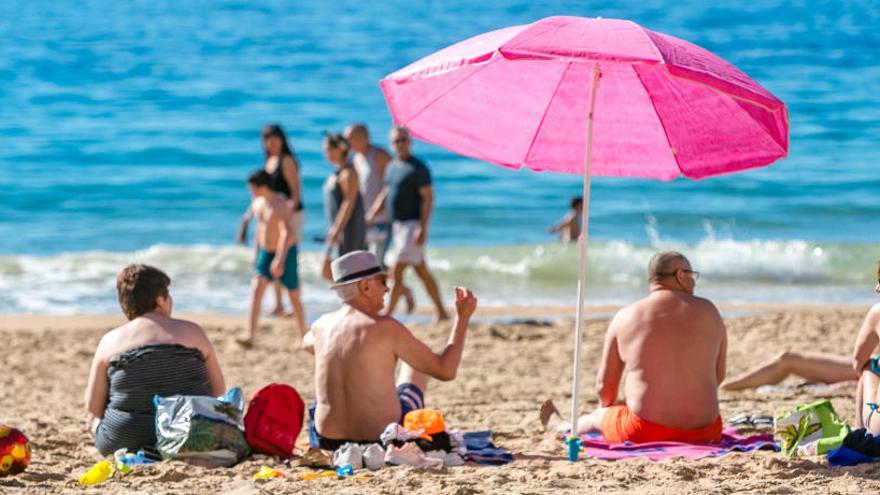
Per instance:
(267,473)
(99,473)
(321,474)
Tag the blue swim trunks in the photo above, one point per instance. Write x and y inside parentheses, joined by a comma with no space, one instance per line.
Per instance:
(290,278)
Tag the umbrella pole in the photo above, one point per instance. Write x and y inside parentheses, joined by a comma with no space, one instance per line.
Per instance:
(574,443)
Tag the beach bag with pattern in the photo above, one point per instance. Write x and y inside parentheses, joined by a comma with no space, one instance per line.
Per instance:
(274,420)
(811,429)
(203,430)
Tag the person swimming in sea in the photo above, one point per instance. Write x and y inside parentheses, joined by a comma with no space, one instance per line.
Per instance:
(569,227)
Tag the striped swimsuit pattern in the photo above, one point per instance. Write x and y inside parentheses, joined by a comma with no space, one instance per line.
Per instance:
(135,376)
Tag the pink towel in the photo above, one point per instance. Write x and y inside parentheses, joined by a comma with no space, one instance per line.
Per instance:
(597,448)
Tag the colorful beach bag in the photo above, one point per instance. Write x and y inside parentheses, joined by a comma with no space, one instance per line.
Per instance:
(811,429)
(203,430)
(274,419)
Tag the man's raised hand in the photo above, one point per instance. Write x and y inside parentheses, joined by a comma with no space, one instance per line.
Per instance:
(465,302)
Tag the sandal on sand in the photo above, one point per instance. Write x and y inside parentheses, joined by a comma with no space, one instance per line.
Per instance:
(740,419)
(754,422)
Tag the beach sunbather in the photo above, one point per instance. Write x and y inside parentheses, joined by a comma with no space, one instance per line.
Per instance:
(672,345)
(356,352)
(868,368)
(276,253)
(816,367)
(811,366)
(152,354)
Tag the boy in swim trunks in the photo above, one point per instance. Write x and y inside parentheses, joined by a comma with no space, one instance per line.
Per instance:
(673,346)
(276,255)
(357,349)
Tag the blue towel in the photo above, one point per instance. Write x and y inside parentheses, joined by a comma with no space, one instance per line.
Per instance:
(481,450)
(845,456)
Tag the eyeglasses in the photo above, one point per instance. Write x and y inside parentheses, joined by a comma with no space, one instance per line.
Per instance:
(382,279)
(694,274)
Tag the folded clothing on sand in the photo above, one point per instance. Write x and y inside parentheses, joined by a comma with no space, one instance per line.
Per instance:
(479,448)
(858,447)
(620,425)
(135,376)
(597,447)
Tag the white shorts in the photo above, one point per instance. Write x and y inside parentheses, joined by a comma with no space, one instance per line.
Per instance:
(297,221)
(404,248)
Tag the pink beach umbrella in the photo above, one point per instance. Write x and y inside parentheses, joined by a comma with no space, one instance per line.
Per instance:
(602,97)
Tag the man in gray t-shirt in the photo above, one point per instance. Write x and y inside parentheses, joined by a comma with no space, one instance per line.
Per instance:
(409,199)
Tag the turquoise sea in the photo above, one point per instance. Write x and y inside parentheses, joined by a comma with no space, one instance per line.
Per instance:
(127,129)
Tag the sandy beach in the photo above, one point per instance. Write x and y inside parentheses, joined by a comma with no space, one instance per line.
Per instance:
(507,370)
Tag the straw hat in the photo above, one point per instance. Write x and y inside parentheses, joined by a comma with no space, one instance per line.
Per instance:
(354,266)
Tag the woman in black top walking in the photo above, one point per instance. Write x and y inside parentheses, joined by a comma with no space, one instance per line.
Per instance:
(342,203)
(282,165)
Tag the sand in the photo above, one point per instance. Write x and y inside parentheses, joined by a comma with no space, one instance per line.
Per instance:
(507,370)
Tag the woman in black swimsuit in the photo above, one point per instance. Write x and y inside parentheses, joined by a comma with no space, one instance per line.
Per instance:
(282,165)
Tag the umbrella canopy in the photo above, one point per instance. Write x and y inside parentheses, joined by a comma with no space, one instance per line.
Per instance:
(520,96)
(593,97)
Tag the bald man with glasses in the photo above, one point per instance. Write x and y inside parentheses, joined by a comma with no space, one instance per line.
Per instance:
(673,346)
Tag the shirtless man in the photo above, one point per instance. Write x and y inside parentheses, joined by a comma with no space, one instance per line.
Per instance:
(276,256)
(356,352)
(673,346)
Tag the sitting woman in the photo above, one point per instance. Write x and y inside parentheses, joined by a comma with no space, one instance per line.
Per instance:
(152,354)
(868,390)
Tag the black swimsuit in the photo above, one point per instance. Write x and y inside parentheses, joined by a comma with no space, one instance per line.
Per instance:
(279,184)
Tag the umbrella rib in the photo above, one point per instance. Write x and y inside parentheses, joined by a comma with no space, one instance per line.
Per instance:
(546,111)
(449,90)
(733,97)
(659,119)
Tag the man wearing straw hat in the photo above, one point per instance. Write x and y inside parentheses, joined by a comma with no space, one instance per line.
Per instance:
(356,352)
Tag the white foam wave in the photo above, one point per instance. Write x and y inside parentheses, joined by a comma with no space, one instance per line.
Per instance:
(216,278)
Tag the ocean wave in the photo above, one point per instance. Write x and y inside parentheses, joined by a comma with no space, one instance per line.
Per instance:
(209,278)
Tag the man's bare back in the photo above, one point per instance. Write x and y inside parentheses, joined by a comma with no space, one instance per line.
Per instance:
(672,346)
(670,343)
(357,350)
(355,364)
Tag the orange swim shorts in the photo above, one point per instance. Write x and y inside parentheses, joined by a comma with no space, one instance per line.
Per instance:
(620,425)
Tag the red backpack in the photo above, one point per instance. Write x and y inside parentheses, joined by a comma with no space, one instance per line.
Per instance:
(274,419)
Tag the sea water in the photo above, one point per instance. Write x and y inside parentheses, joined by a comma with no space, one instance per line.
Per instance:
(127,130)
